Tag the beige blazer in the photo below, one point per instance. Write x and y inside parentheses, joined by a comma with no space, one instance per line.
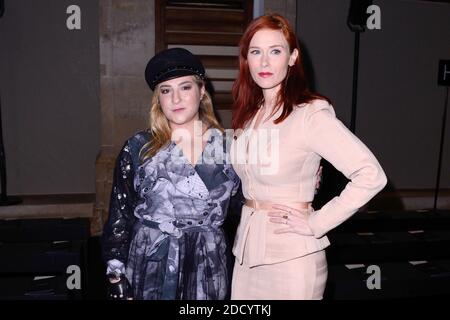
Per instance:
(278,163)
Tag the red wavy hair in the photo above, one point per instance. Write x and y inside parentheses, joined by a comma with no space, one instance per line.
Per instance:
(248,96)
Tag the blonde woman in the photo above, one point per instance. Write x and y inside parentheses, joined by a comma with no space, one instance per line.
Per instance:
(171,190)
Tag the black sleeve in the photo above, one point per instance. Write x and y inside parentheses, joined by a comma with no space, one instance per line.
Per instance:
(234,215)
(237,200)
(118,229)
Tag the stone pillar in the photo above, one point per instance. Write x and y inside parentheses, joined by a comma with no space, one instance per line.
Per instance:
(127,41)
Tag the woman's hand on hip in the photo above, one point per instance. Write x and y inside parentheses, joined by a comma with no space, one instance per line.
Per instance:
(292,220)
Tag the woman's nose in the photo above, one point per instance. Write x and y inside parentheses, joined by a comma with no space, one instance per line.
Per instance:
(264,60)
(175,97)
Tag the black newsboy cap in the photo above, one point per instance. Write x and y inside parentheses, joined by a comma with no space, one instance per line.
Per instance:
(172,63)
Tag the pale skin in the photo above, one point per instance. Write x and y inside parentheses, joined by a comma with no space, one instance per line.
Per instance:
(180,101)
(269,53)
(269,58)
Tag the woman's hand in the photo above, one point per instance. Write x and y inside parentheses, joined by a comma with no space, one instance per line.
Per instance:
(293,220)
(119,288)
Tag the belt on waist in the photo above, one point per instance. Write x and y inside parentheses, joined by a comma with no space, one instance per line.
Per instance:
(267,205)
(187,228)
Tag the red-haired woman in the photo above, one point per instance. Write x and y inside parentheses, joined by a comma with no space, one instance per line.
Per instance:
(284,130)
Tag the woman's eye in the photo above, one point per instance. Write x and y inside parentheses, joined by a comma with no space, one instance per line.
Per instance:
(164,91)
(186,88)
(254,51)
(276,51)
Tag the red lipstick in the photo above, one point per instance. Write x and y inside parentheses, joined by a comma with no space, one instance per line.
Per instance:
(265,74)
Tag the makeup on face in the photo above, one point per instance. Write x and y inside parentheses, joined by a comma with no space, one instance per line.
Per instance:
(180,99)
(268,58)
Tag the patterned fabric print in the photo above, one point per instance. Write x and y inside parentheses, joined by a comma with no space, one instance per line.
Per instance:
(192,267)
(178,250)
(117,230)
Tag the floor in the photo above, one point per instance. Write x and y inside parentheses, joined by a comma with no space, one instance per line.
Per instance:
(377,255)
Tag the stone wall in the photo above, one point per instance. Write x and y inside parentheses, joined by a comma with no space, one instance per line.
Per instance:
(127,41)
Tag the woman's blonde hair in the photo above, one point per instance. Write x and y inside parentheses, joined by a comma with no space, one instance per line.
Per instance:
(159,125)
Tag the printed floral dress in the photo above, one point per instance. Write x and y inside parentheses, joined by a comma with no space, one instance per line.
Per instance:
(164,227)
